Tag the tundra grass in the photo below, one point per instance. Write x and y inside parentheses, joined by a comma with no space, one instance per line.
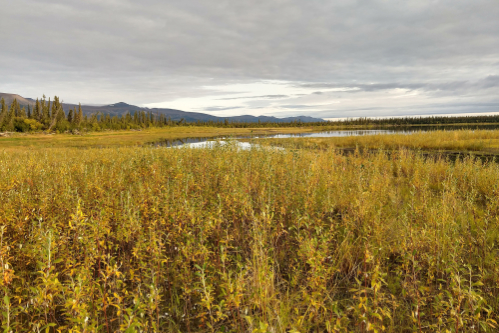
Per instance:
(129,137)
(458,140)
(221,240)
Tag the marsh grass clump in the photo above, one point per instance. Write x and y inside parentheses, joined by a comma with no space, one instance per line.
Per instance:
(224,240)
(458,140)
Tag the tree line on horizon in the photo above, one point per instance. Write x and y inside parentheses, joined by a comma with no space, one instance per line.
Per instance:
(429,120)
(47,115)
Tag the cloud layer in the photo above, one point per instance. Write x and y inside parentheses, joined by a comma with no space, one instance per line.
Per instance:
(279,57)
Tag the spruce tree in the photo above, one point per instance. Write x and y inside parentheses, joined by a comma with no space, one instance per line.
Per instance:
(55,108)
(60,114)
(80,117)
(46,112)
(7,122)
(3,113)
(17,108)
(48,109)
(36,111)
(12,109)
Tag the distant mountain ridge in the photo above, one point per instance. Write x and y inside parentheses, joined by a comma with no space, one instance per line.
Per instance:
(121,108)
(9,98)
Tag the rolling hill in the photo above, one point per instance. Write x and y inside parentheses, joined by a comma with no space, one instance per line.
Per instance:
(9,98)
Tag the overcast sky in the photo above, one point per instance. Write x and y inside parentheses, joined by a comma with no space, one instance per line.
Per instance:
(263,57)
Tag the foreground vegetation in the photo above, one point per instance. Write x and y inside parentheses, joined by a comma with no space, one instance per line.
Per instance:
(221,240)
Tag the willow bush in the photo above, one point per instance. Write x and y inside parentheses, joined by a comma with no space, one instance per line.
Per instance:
(221,240)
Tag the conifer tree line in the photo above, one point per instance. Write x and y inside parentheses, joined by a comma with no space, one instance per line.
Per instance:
(431,120)
(49,115)
(44,115)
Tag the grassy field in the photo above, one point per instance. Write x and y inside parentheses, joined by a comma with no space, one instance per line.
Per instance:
(129,138)
(459,140)
(141,239)
(439,139)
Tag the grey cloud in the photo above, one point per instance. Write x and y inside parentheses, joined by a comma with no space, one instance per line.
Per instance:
(337,88)
(214,108)
(430,109)
(491,81)
(305,107)
(488,82)
(254,97)
(298,106)
(286,39)
(352,88)
(153,50)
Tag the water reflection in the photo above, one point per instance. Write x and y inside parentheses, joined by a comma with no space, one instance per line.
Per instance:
(196,142)
(328,134)
(219,143)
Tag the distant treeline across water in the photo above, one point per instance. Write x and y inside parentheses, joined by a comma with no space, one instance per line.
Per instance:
(429,120)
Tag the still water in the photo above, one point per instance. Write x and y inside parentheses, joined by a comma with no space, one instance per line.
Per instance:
(209,142)
(205,142)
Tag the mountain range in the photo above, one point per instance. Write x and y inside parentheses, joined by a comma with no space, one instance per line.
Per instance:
(121,108)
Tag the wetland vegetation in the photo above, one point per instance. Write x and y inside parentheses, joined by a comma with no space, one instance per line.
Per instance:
(304,239)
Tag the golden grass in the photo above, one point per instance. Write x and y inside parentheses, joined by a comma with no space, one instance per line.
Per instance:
(130,137)
(181,240)
(459,140)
